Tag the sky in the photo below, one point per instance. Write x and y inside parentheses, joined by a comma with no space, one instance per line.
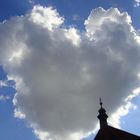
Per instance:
(57,58)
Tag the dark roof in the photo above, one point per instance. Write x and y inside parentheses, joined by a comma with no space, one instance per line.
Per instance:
(111,133)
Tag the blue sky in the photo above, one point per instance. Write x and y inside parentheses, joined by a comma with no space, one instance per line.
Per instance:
(75,12)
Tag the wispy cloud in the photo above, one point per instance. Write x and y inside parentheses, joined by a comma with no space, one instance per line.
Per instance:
(4,98)
(7,83)
(3,83)
(76,17)
(136,3)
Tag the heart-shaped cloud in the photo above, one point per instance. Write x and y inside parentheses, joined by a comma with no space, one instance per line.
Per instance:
(61,72)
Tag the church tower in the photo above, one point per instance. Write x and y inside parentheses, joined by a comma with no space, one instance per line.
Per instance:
(102,116)
(107,132)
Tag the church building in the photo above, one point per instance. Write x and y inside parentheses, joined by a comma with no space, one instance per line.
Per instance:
(107,132)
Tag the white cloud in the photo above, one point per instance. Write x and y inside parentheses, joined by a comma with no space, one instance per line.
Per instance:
(136,3)
(60,73)
(7,83)
(46,17)
(113,15)
(19,114)
(3,83)
(73,36)
(32,2)
(4,98)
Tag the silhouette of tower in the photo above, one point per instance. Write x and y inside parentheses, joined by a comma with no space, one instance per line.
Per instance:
(102,116)
(107,132)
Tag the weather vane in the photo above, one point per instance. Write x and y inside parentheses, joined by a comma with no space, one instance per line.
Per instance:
(101,102)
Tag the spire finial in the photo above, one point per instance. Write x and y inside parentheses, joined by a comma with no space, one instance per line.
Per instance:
(101,102)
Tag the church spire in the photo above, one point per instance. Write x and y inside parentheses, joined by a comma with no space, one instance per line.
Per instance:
(102,115)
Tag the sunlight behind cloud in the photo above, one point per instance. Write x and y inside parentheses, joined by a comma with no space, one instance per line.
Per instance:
(63,71)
